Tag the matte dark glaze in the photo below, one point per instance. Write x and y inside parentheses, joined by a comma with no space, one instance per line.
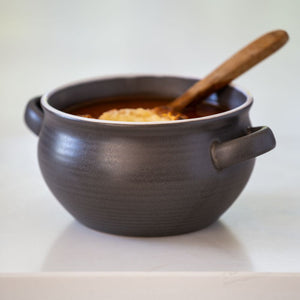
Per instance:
(150,179)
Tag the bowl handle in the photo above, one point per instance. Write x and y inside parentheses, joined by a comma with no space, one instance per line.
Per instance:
(257,141)
(34,115)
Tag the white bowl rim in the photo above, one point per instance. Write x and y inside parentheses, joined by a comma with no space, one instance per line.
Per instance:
(50,108)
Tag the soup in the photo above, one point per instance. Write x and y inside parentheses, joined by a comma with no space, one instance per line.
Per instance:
(95,108)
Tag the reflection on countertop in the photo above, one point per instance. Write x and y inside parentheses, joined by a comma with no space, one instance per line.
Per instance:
(212,249)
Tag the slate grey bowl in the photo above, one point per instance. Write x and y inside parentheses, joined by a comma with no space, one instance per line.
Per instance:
(145,179)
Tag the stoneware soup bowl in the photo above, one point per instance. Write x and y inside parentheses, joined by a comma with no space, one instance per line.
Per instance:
(145,179)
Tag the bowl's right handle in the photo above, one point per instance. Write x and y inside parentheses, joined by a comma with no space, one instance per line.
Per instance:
(34,115)
(257,141)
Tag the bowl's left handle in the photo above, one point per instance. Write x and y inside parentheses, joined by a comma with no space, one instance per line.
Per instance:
(34,115)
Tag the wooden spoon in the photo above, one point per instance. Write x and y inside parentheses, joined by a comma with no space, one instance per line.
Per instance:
(236,65)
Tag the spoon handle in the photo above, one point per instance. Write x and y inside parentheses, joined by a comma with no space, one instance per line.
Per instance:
(236,65)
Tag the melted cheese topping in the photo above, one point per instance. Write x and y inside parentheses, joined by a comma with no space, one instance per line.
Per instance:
(136,115)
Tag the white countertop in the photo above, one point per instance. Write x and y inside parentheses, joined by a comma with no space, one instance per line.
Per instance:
(46,44)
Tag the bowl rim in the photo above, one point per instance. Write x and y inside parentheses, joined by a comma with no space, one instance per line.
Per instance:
(45,104)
